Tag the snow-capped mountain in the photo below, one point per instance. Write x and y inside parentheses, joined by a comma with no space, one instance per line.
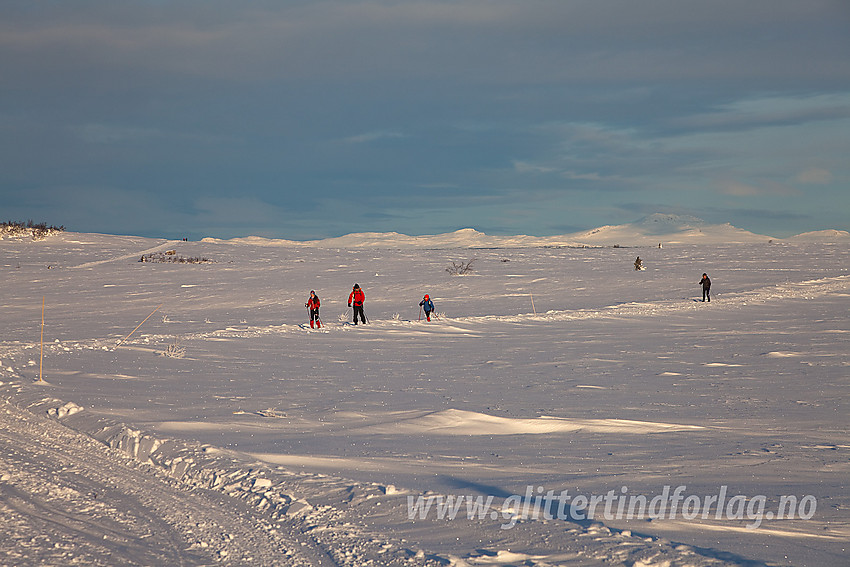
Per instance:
(661,228)
(648,231)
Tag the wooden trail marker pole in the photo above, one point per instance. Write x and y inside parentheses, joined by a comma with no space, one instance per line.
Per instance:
(41,357)
(532,303)
(139,325)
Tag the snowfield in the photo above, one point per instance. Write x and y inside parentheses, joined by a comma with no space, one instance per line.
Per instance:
(225,430)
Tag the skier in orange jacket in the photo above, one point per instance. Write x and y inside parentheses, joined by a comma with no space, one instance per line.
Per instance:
(313,305)
(356,299)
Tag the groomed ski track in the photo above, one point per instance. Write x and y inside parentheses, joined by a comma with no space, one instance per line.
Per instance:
(806,289)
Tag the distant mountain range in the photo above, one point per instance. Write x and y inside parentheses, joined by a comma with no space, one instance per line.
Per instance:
(651,230)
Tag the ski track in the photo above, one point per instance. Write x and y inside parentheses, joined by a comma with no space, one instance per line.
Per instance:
(807,289)
(157,248)
(59,487)
(201,505)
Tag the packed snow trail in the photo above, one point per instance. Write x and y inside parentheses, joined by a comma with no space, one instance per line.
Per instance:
(65,498)
(102,493)
(157,248)
(808,289)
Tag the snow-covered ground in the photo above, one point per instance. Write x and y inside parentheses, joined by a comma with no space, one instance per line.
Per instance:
(224,430)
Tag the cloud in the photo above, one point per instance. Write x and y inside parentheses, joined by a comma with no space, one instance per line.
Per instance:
(440,186)
(759,112)
(528,167)
(763,187)
(369,137)
(606,157)
(102,133)
(109,134)
(591,176)
(739,189)
(103,209)
(815,176)
(464,109)
(473,41)
(229,211)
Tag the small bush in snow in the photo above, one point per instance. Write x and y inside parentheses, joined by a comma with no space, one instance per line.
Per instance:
(171,257)
(460,268)
(174,350)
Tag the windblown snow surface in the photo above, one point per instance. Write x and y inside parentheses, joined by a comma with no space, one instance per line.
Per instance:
(223,430)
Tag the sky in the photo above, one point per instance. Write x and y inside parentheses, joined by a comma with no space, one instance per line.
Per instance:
(312,119)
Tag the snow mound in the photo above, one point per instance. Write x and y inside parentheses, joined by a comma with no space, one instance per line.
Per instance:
(67,409)
(826,236)
(667,229)
(461,422)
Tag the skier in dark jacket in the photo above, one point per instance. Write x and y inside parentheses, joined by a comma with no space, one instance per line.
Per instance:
(706,287)
(357,298)
(313,305)
(428,306)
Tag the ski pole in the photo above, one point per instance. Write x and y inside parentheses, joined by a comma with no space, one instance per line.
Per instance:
(41,359)
(420,312)
(137,326)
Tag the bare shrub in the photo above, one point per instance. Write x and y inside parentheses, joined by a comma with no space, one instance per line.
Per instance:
(460,268)
(38,231)
(174,350)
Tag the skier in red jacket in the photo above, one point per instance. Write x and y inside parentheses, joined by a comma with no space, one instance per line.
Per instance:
(357,298)
(313,305)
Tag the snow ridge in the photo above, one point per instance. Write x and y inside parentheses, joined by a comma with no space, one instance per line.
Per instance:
(648,231)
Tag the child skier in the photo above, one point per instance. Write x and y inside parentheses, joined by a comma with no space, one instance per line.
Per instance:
(357,297)
(313,306)
(428,306)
